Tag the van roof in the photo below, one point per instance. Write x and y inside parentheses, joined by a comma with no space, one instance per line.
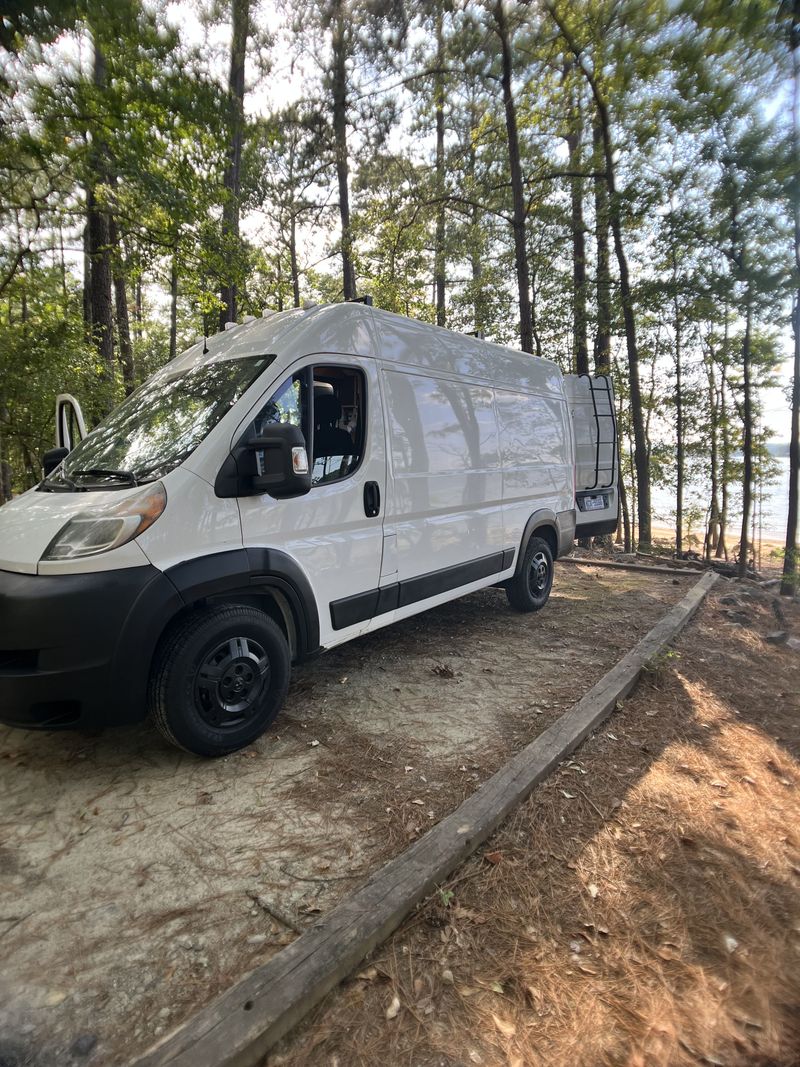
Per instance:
(358,329)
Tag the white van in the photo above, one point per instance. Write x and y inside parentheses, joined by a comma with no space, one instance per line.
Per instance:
(290,484)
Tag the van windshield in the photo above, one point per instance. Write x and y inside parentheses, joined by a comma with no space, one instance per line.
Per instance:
(157,427)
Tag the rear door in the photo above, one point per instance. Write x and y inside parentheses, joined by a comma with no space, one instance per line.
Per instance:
(591,401)
(335,532)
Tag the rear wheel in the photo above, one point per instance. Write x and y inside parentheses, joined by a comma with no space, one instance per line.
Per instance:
(220,680)
(530,588)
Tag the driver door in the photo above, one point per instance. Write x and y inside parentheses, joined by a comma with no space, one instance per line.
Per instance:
(335,531)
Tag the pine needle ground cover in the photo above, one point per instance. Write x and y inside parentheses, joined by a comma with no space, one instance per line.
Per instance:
(642,908)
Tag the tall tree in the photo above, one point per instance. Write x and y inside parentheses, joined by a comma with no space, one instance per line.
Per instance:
(593,79)
(504,34)
(574,139)
(790,558)
(240,18)
(100,301)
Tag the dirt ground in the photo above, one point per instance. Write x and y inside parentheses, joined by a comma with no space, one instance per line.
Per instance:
(137,882)
(641,909)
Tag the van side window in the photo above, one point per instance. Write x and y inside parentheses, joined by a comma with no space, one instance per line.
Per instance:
(339,417)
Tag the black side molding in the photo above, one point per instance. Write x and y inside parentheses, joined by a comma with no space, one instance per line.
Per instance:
(363,606)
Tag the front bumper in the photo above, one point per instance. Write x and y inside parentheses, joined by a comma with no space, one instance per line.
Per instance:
(75,649)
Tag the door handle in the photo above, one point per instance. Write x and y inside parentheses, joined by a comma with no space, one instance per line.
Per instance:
(372,499)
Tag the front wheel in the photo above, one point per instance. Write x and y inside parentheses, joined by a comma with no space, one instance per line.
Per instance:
(529,589)
(220,679)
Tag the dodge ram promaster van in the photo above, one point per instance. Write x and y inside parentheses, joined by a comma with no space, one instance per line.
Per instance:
(276,490)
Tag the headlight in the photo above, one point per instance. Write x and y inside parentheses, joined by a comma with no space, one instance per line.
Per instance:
(103,528)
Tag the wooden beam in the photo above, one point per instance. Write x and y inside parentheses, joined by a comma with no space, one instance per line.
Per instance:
(240,1026)
(626,566)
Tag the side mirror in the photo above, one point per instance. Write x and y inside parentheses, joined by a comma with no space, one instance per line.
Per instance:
(275,463)
(52,458)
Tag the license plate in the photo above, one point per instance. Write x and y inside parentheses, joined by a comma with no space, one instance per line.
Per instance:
(594,503)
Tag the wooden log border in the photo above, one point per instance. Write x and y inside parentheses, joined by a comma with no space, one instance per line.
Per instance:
(242,1024)
(614,564)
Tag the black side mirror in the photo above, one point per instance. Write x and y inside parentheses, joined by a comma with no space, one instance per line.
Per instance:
(276,463)
(52,458)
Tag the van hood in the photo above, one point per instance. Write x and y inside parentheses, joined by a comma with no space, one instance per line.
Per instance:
(30,522)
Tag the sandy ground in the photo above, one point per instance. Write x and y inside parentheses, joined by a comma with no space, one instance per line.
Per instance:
(641,909)
(136,882)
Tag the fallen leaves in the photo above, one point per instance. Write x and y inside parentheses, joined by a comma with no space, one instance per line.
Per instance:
(394,1008)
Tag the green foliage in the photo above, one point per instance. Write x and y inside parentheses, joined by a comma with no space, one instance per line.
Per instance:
(43,352)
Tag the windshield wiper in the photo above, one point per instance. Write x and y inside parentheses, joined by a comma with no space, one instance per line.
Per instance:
(50,484)
(100,472)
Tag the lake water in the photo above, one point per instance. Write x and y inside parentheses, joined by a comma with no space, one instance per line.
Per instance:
(774,507)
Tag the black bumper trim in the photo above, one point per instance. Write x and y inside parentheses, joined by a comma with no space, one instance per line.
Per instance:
(595,529)
(84,645)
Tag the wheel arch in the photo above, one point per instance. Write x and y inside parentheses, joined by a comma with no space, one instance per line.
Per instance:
(542,524)
(264,578)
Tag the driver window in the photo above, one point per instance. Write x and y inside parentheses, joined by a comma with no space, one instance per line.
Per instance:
(339,417)
(339,406)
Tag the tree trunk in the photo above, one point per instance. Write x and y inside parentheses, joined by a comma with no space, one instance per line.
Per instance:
(747,441)
(339,93)
(535,333)
(230,208)
(439,252)
(101,307)
(87,272)
(476,267)
(679,452)
(517,188)
(626,518)
(637,413)
(790,559)
(293,261)
(173,304)
(602,340)
(475,246)
(574,138)
(725,465)
(712,533)
(5,463)
(121,308)
(62,264)
(137,311)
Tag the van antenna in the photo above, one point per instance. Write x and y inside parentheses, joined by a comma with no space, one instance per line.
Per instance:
(205,333)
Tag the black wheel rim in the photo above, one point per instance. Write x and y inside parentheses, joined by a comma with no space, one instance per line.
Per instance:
(230,681)
(539,574)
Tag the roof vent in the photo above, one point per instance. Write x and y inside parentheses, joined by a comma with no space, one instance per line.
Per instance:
(362,300)
(267,313)
(231,325)
(309,304)
(248,318)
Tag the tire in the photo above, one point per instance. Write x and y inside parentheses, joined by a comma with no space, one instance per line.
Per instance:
(219,680)
(529,589)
